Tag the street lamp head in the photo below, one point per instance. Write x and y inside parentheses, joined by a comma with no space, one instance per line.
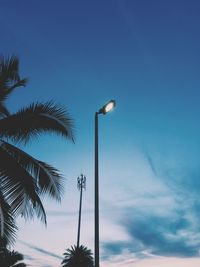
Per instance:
(107,107)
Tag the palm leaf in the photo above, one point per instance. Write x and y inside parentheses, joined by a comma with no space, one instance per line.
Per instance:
(7,222)
(9,73)
(13,257)
(9,80)
(16,256)
(10,258)
(6,89)
(3,110)
(78,257)
(19,187)
(9,70)
(36,119)
(48,179)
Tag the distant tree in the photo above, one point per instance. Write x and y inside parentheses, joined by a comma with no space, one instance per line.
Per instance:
(78,257)
(23,178)
(11,258)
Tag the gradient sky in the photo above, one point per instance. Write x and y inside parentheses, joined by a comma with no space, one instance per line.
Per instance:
(146,55)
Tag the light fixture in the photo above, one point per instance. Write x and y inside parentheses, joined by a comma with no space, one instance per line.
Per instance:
(107,107)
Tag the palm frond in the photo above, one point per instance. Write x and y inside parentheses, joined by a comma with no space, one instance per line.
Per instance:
(78,257)
(9,73)
(9,80)
(36,119)
(48,179)
(14,257)
(19,187)
(3,111)
(7,222)
(9,68)
(10,258)
(7,87)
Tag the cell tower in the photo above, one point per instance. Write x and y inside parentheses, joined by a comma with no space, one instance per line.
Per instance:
(81,184)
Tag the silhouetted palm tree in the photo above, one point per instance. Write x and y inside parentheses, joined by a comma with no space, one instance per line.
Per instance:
(23,178)
(11,258)
(78,257)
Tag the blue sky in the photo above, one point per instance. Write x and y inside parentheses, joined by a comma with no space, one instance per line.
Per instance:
(145,54)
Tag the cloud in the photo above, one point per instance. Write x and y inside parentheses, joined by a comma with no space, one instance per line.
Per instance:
(41,250)
(151,163)
(115,248)
(55,213)
(153,225)
(156,235)
(28,257)
(162,236)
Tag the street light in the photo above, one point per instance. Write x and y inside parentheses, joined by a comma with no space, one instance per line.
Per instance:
(105,109)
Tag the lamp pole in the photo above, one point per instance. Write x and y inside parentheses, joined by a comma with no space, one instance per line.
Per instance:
(105,109)
(96,193)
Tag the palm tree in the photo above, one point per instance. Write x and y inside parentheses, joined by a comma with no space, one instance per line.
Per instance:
(23,178)
(11,258)
(78,257)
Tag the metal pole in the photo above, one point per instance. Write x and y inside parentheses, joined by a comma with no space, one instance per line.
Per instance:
(79,218)
(96,219)
(81,184)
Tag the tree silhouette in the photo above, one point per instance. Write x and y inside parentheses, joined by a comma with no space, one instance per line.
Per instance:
(23,178)
(78,257)
(11,258)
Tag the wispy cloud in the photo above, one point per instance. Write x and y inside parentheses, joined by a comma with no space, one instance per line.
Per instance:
(159,228)
(66,214)
(41,250)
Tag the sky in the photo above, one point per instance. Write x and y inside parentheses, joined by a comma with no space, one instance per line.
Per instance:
(145,55)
